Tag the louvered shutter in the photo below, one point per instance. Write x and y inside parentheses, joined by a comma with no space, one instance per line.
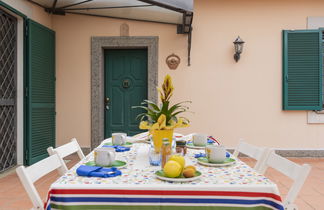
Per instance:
(302,70)
(40,128)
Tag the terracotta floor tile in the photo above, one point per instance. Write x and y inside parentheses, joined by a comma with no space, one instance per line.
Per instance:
(3,201)
(319,188)
(303,205)
(282,188)
(316,201)
(20,203)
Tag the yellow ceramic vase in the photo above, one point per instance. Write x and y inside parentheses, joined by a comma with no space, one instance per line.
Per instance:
(159,135)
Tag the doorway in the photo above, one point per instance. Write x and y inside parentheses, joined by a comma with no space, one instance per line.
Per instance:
(125,86)
(8,87)
(99,44)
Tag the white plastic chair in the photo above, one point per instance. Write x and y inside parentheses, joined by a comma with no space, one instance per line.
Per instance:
(67,149)
(29,175)
(298,173)
(257,153)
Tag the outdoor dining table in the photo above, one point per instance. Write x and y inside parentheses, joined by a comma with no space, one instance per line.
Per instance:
(233,187)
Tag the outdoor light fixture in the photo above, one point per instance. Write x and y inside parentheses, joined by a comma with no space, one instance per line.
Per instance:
(238,46)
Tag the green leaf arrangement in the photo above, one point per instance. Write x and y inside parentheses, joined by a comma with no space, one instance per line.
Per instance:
(164,116)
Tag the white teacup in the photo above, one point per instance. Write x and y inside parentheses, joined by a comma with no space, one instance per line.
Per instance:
(199,139)
(216,153)
(104,156)
(118,138)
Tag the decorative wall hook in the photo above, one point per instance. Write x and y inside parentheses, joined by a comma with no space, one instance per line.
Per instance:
(173,61)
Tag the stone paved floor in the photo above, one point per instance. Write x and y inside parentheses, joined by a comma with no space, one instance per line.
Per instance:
(13,195)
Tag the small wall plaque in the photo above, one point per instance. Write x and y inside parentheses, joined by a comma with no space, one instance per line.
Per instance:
(124,29)
(173,61)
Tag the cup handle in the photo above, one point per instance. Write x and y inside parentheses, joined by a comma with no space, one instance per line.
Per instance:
(111,156)
(124,139)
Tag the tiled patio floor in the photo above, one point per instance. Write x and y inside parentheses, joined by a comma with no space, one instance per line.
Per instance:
(13,196)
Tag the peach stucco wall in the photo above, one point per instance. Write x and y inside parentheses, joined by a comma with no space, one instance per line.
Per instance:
(73,34)
(229,100)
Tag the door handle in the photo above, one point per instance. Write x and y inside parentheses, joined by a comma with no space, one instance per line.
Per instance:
(107,103)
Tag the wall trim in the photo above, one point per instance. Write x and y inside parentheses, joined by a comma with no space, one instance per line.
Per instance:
(301,153)
(98,45)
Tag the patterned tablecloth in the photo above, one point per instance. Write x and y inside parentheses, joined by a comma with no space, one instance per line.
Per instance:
(233,187)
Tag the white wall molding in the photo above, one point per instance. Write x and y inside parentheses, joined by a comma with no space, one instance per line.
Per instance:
(314,117)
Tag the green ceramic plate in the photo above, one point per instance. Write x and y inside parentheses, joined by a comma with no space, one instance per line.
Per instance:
(127,144)
(116,163)
(227,162)
(192,146)
(160,175)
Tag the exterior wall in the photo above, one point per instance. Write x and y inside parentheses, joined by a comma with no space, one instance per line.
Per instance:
(31,11)
(73,34)
(230,100)
(37,14)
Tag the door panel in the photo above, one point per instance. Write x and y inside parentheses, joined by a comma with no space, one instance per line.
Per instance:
(117,103)
(135,101)
(8,49)
(125,86)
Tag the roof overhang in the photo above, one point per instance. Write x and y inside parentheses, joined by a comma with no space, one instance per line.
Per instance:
(175,12)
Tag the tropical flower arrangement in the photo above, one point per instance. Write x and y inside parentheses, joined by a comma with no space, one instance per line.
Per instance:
(163,117)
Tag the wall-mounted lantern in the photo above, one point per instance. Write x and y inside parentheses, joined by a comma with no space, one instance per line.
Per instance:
(238,46)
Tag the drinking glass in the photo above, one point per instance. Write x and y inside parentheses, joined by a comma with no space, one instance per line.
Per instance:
(154,157)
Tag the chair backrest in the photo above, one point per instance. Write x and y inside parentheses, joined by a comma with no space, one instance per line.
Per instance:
(29,175)
(67,149)
(257,153)
(298,173)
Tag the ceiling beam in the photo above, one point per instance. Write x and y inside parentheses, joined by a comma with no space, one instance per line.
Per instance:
(54,4)
(166,6)
(75,4)
(122,18)
(117,7)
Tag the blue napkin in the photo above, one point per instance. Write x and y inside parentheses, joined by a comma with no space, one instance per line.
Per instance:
(96,171)
(198,155)
(118,148)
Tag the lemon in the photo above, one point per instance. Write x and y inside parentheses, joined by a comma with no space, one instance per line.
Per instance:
(180,159)
(172,169)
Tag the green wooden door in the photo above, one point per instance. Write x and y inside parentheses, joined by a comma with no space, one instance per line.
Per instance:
(125,86)
(40,91)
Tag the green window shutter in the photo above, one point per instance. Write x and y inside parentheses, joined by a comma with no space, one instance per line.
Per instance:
(302,70)
(40,116)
